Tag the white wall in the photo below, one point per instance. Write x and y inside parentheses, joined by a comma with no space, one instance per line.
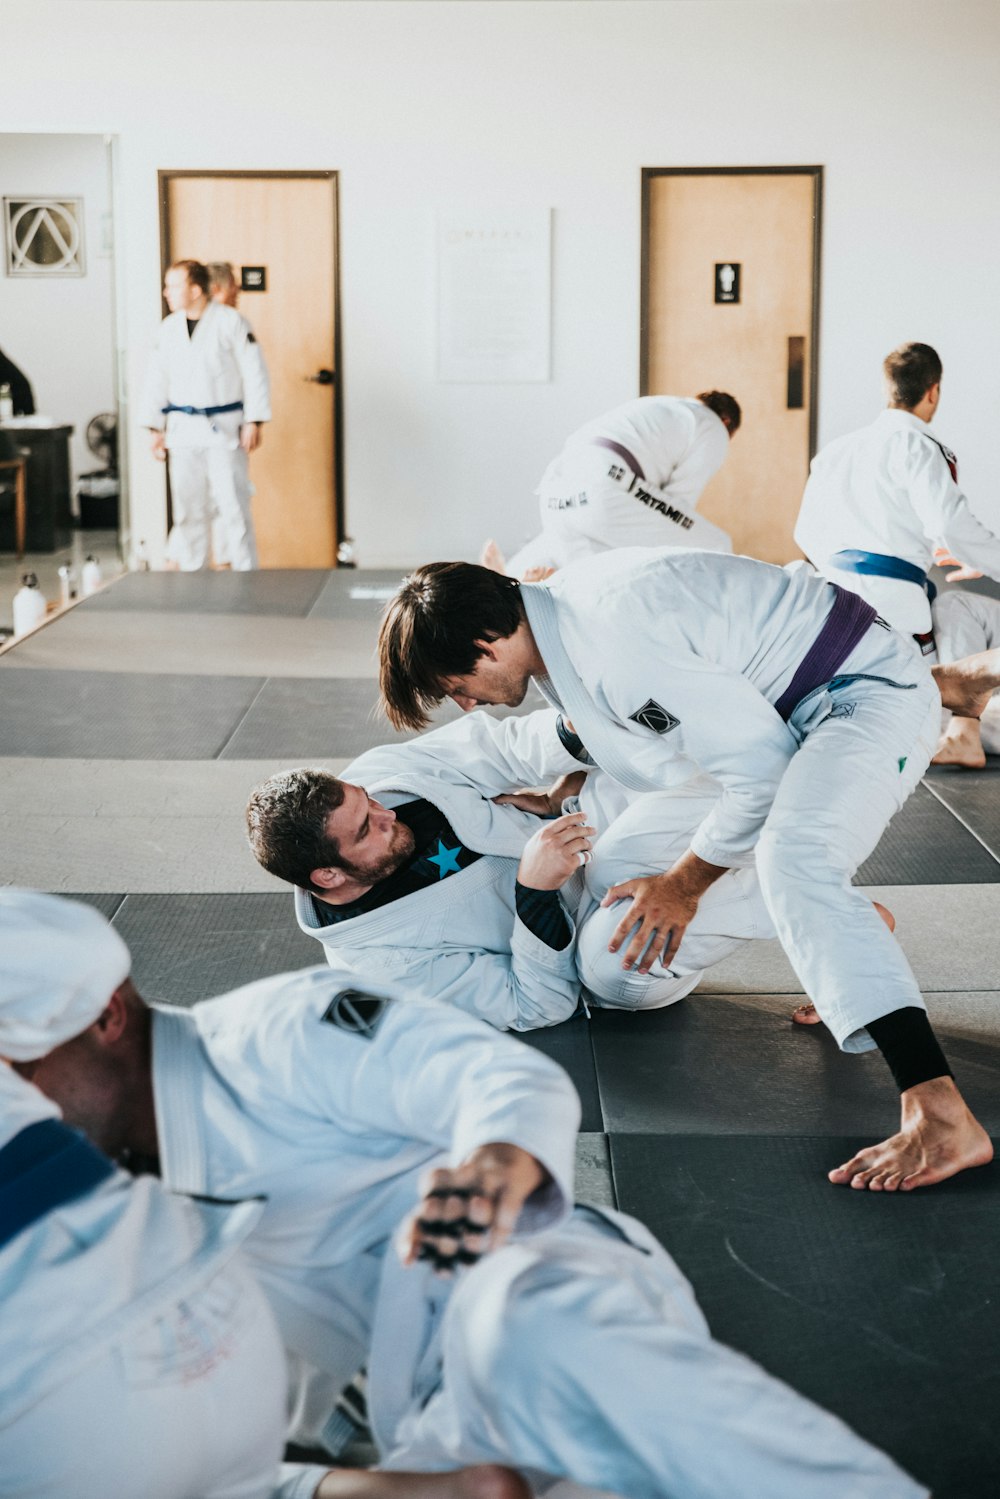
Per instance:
(420,103)
(59,332)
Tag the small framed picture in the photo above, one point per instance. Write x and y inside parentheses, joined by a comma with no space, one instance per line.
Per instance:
(43,236)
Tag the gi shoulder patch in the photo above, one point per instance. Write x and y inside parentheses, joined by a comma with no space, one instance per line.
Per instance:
(652,716)
(359,1013)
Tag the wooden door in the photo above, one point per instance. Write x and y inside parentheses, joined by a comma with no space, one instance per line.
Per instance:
(730,303)
(287,225)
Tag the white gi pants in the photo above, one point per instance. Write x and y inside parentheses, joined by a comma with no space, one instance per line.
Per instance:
(963,624)
(865,745)
(582,1354)
(189,1406)
(203,482)
(648,838)
(590,502)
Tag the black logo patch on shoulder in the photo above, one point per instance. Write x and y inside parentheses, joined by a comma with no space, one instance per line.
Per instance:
(652,716)
(357,1012)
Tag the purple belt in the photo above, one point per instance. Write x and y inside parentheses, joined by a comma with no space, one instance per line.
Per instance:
(848,620)
(616,447)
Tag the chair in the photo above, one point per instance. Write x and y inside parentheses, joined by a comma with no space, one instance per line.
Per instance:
(12,495)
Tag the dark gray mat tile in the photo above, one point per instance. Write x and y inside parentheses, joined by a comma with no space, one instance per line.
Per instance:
(882,1309)
(277,591)
(294,718)
(356,594)
(972,585)
(119,715)
(190,947)
(973,796)
(738,1066)
(569,1044)
(105,903)
(925,844)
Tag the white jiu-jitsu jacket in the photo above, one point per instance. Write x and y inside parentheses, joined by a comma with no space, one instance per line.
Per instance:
(135,1302)
(281,1090)
(891,488)
(219,363)
(680,443)
(462,941)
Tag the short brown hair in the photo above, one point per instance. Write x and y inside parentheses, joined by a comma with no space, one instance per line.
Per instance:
(430,632)
(197,273)
(220,273)
(725,406)
(910,371)
(286,824)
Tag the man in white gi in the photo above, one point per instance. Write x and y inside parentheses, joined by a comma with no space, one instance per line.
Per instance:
(207,393)
(814,717)
(878,502)
(568,1345)
(408,868)
(633,477)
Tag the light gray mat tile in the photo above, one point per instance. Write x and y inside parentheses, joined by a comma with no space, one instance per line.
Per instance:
(594,1183)
(202,644)
(190,947)
(137,788)
(272,591)
(294,720)
(126,715)
(357,594)
(950,935)
(925,844)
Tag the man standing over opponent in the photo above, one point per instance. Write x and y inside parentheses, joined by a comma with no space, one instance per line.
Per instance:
(814,717)
(877,505)
(633,477)
(207,395)
(408,868)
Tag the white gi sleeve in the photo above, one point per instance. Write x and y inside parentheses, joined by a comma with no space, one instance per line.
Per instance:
(299,1480)
(422,1071)
(155,392)
(728,729)
(253,372)
(943,509)
(489,754)
(531,987)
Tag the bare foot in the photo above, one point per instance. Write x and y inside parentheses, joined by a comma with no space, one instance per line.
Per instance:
(966,686)
(961,744)
(806,1013)
(485,1481)
(492,557)
(937,1139)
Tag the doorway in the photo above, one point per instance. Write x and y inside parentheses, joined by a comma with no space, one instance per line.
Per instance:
(279,231)
(730,301)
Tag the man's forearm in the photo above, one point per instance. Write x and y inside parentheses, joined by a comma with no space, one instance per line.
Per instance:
(694,875)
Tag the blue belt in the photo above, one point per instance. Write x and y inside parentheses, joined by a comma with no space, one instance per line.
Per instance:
(43,1167)
(878,566)
(204,410)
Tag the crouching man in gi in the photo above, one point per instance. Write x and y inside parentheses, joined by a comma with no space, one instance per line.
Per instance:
(208,380)
(408,868)
(140,1356)
(632,477)
(814,717)
(877,504)
(568,1345)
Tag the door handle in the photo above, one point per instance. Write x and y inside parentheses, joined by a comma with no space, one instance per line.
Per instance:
(796,398)
(321,377)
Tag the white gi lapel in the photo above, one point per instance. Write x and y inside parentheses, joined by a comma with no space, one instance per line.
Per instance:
(177,1066)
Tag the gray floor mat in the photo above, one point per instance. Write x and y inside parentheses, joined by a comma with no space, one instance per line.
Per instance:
(356,594)
(107,904)
(569,1044)
(925,845)
(973,796)
(881,1309)
(119,715)
(737,1065)
(271,591)
(190,947)
(295,718)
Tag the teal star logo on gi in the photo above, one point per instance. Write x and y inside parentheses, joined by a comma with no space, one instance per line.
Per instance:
(446,859)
